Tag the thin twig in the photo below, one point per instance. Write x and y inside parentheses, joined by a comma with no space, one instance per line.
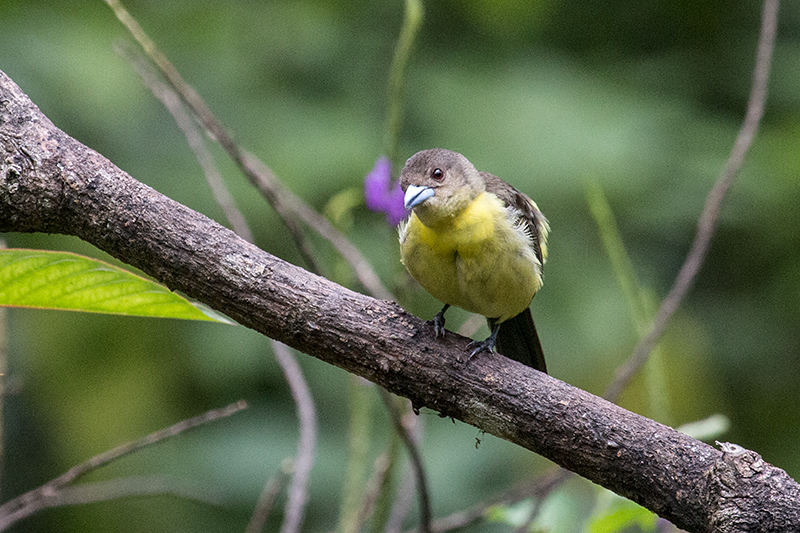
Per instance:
(306,414)
(545,485)
(708,219)
(194,139)
(358,436)
(373,488)
(282,200)
(416,461)
(207,119)
(268,185)
(9,511)
(538,488)
(112,489)
(267,498)
(386,490)
(402,505)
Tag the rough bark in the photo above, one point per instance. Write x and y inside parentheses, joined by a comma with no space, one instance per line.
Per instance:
(50,182)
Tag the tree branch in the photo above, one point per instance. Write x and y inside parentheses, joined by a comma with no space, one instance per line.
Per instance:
(172,103)
(50,182)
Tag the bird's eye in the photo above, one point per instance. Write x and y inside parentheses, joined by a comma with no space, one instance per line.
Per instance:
(437,174)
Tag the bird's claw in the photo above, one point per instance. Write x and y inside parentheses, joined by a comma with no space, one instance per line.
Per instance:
(438,325)
(480,346)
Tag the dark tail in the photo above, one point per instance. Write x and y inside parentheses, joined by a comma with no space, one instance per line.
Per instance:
(518,340)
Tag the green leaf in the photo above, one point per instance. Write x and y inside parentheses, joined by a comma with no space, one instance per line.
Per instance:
(62,280)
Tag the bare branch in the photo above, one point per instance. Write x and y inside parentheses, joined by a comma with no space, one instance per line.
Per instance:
(402,504)
(111,490)
(268,184)
(28,503)
(708,219)
(174,105)
(207,119)
(306,414)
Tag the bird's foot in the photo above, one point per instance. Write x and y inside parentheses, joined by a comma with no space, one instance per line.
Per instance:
(484,345)
(438,323)
(480,346)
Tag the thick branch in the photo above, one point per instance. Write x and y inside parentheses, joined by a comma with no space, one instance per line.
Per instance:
(51,183)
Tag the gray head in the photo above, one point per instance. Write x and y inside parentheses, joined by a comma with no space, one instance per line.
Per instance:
(439,182)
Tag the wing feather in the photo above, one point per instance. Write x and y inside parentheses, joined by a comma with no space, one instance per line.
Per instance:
(526,210)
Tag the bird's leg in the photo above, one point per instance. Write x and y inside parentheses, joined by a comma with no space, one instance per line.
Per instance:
(438,322)
(488,344)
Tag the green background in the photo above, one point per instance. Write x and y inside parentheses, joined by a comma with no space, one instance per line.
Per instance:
(643,97)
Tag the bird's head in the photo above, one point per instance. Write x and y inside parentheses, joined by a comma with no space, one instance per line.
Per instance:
(439,184)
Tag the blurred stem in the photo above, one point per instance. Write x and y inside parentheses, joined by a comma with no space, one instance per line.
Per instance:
(407,427)
(388,488)
(267,497)
(357,462)
(412,20)
(621,263)
(640,305)
(297,496)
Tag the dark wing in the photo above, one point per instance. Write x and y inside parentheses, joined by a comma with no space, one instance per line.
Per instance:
(528,211)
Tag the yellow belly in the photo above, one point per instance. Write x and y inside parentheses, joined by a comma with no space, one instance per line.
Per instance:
(477,261)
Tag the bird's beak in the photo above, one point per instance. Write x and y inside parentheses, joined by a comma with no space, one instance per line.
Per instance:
(415,195)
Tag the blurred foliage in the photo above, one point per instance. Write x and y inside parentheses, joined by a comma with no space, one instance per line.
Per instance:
(643,98)
(618,514)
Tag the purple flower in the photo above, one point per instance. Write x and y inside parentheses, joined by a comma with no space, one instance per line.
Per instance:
(380,196)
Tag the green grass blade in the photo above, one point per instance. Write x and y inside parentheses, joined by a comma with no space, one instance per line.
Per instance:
(640,303)
(61,280)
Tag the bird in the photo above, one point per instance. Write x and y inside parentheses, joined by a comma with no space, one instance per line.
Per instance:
(475,242)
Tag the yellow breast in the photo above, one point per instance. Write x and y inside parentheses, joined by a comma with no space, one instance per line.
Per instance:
(479,260)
